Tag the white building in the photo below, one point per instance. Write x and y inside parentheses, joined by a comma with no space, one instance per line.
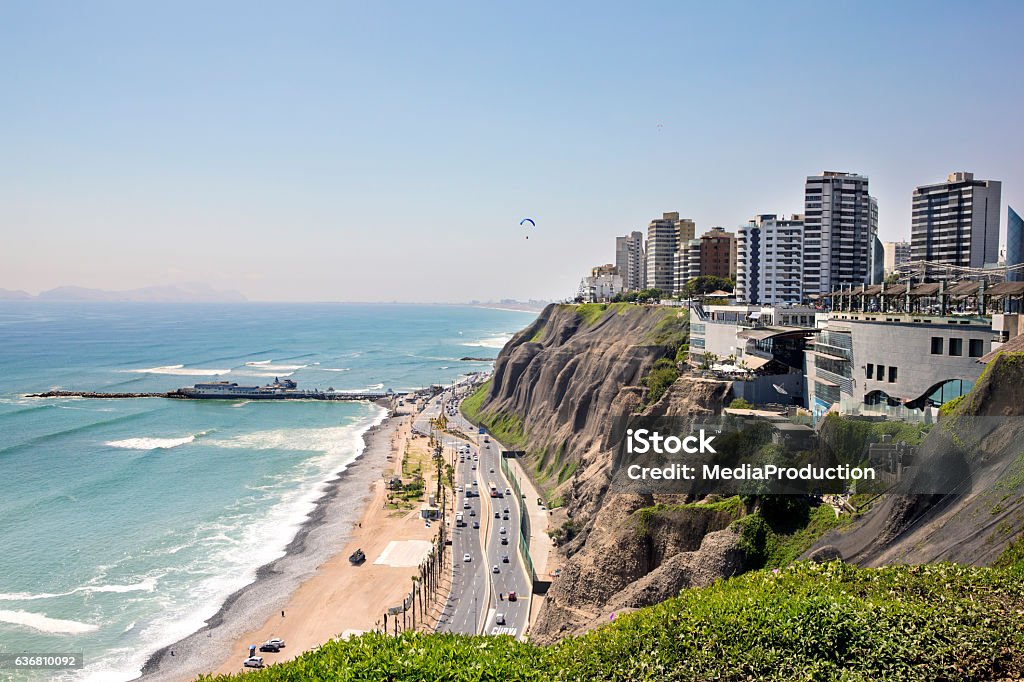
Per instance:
(664,237)
(840,228)
(687,264)
(956,222)
(769,260)
(630,260)
(602,284)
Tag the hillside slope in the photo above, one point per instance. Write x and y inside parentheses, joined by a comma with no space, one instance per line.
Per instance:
(557,386)
(975,524)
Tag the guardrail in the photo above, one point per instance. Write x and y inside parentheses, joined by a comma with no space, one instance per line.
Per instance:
(524,518)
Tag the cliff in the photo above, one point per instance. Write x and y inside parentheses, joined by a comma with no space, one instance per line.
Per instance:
(974,519)
(556,388)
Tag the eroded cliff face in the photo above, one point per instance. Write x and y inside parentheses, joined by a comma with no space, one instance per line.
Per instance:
(986,513)
(560,383)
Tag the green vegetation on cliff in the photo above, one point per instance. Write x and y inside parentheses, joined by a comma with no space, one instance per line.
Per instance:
(807,622)
(662,375)
(507,428)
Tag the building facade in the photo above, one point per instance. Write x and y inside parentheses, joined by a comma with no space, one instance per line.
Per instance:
(840,226)
(1014,245)
(601,285)
(718,253)
(760,347)
(687,264)
(897,256)
(664,237)
(956,223)
(769,260)
(630,260)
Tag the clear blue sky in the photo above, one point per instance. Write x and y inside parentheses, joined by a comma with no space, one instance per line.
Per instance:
(379,150)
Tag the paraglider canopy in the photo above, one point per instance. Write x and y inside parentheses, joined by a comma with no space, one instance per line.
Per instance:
(527,220)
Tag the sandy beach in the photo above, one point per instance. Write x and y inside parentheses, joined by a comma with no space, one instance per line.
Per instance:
(321,594)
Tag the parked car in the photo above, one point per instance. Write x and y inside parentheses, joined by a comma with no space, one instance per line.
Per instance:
(267,647)
(253,662)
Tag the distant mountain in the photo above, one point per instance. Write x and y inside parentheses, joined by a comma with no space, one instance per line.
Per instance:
(19,295)
(183,293)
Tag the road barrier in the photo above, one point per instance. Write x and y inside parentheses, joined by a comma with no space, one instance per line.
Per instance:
(524,515)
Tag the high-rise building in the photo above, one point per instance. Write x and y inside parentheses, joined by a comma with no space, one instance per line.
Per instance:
(718,253)
(687,263)
(840,225)
(956,223)
(897,256)
(664,237)
(630,261)
(769,260)
(1014,245)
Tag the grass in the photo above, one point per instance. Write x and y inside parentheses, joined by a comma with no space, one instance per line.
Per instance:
(471,405)
(590,313)
(805,622)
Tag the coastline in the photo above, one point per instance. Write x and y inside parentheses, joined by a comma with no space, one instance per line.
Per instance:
(323,534)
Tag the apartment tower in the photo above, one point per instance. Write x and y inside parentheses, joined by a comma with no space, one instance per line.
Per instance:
(840,227)
(664,238)
(769,260)
(956,223)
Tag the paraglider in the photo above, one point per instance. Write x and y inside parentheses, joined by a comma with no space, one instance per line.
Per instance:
(527,220)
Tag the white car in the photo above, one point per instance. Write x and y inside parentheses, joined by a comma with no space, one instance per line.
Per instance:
(502,530)
(495,569)
(276,641)
(465,505)
(466,558)
(253,662)
(499,618)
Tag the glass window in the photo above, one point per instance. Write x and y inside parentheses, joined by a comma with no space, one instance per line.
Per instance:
(880,374)
(871,368)
(892,375)
(956,346)
(976,348)
(936,345)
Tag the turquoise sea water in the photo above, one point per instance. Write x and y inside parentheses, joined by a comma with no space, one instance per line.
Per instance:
(124,524)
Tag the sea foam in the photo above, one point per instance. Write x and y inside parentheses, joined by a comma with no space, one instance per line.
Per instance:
(490,342)
(181,370)
(43,623)
(153,443)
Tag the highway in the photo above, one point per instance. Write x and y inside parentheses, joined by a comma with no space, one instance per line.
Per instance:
(479,596)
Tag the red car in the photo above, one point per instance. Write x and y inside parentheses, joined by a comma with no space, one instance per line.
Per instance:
(512,596)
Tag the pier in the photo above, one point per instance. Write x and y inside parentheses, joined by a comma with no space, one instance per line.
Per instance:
(180,395)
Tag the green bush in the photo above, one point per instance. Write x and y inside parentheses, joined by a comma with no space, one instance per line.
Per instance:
(662,375)
(741,404)
(805,622)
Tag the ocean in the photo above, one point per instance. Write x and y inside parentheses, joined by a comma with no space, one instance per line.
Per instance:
(124,524)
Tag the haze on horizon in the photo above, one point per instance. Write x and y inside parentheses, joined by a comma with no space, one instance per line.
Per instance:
(387,151)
